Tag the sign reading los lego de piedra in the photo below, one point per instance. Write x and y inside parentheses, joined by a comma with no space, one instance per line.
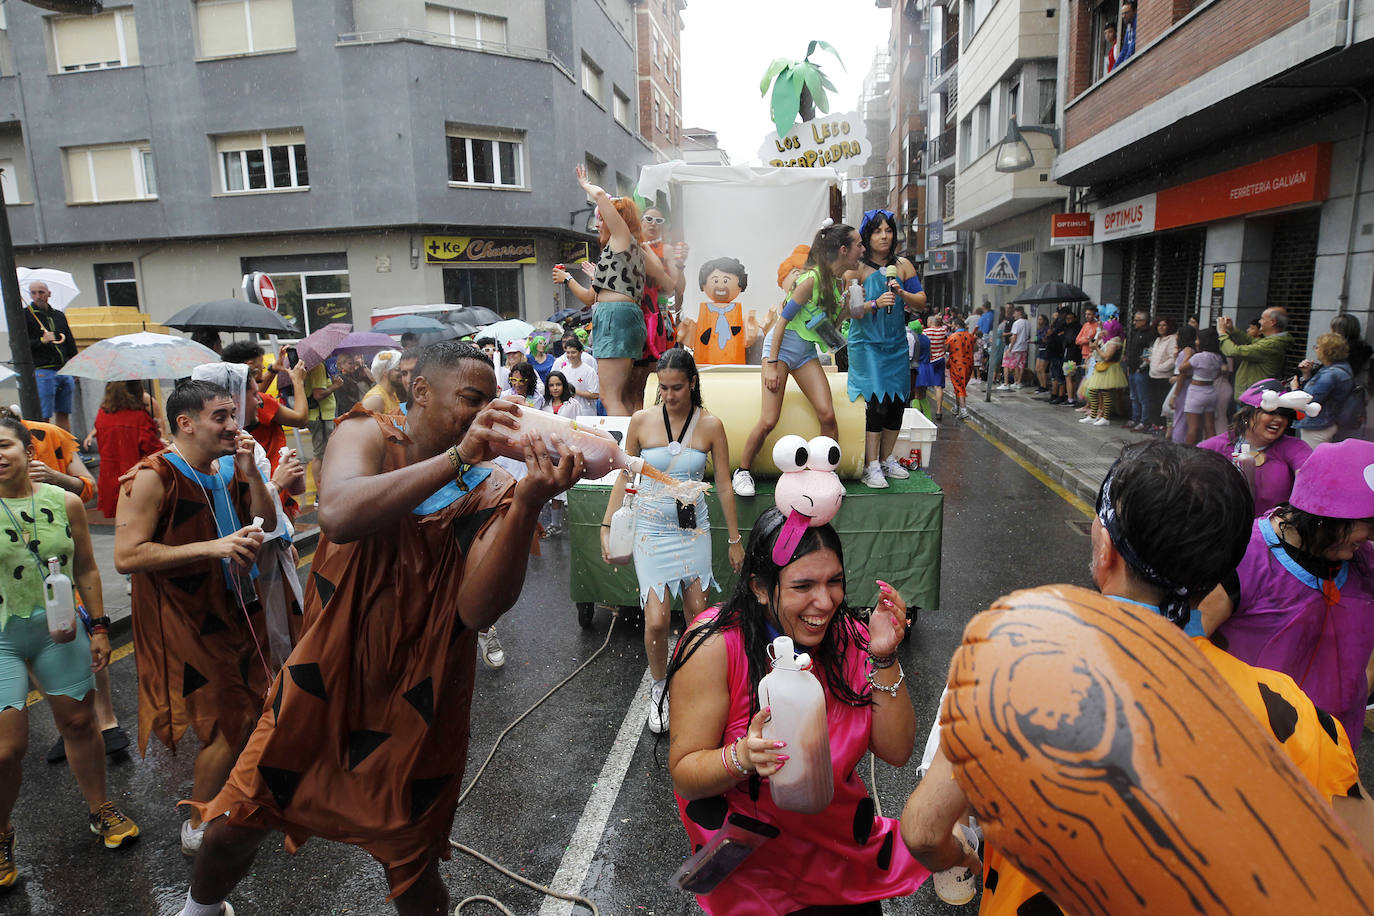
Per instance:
(463,249)
(839,140)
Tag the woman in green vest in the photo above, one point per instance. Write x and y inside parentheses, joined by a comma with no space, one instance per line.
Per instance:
(791,345)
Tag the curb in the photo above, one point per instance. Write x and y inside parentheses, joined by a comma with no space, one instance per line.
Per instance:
(1066,475)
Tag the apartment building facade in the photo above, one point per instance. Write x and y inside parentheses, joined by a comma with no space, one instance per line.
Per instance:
(906,121)
(365,153)
(1227,161)
(996,63)
(658,25)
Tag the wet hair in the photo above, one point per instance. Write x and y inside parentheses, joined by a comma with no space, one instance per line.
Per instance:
(825,247)
(744,612)
(189,397)
(567,394)
(866,233)
(1185,513)
(1245,418)
(629,212)
(446,354)
(414,353)
(726,266)
(1208,341)
(1316,533)
(123,396)
(21,432)
(679,360)
(526,372)
(241,351)
(207,337)
(487,342)
(1187,337)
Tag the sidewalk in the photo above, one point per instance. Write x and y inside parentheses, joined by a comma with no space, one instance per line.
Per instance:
(1072,454)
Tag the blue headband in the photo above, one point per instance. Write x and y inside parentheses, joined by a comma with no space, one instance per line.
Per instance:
(1175,605)
(870,215)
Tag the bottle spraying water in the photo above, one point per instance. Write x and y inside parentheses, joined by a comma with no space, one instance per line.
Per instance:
(806,783)
(60,603)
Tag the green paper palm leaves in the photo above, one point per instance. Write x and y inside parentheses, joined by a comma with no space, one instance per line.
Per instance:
(799,87)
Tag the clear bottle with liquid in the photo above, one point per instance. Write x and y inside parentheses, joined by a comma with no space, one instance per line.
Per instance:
(60,603)
(600,454)
(854,298)
(1244,460)
(806,783)
(620,540)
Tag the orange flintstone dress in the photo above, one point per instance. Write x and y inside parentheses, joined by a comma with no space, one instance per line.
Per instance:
(198,659)
(366,732)
(719,336)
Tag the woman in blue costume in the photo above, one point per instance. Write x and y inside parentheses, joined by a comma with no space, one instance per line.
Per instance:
(672,551)
(879,367)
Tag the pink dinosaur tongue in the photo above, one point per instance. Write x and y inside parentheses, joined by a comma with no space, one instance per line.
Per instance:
(789,537)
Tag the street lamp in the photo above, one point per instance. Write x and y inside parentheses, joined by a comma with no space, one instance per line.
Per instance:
(590,223)
(1014,153)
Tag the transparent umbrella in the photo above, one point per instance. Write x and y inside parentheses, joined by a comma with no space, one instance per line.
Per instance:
(316,348)
(60,283)
(138,356)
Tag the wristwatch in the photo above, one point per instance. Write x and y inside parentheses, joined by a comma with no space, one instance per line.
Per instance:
(99,625)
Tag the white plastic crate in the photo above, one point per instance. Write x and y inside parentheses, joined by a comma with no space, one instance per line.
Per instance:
(916,441)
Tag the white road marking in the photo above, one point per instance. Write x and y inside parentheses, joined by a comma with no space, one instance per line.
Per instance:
(586,838)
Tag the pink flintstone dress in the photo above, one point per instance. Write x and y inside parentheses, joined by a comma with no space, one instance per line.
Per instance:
(1273,478)
(1318,632)
(843,855)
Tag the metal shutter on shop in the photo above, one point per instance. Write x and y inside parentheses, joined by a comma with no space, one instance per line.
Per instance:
(1138,274)
(1292,263)
(1162,274)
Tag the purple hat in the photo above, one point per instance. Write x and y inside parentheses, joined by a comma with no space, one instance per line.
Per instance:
(1272,395)
(1337,481)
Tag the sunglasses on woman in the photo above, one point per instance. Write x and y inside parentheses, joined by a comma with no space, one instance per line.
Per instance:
(655,220)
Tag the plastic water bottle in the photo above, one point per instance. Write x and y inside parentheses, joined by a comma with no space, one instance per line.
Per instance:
(60,603)
(1244,460)
(620,542)
(855,300)
(806,783)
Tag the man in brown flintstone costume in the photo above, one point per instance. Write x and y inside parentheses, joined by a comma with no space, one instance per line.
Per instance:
(366,731)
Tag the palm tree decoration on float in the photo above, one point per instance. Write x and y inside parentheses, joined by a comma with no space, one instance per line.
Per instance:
(799,87)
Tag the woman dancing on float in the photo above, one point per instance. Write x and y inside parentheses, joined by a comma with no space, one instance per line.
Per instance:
(791,345)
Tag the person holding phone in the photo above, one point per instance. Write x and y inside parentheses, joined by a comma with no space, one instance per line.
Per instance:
(672,553)
(321,382)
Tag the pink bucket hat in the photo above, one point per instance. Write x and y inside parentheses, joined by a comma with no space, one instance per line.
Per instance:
(1337,481)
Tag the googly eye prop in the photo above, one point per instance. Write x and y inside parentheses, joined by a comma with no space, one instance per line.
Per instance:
(809,491)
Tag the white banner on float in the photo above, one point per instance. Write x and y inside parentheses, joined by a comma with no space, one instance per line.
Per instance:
(754,215)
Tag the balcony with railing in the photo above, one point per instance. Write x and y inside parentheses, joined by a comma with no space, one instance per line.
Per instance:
(943,61)
(949,201)
(940,152)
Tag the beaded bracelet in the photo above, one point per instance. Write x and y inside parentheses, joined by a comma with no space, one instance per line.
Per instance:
(892,690)
(882,661)
(736,770)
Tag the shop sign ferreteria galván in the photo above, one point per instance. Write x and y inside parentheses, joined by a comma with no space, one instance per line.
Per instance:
(839,140)
(464,249)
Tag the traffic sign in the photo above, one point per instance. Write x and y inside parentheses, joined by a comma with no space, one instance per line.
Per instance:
(1003,268)
(260,289)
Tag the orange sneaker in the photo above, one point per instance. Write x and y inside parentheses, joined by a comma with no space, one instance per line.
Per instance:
(8,872)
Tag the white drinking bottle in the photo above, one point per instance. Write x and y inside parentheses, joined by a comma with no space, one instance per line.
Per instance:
(60,603)
(620,541)
(806,783)
(856,299)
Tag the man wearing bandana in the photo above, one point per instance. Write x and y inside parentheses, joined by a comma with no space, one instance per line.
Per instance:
(365,734)
(1171,522)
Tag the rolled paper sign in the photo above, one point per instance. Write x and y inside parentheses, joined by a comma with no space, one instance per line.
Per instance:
(1108,759)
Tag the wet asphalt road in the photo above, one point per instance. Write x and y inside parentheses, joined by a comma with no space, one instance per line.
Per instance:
(1003,530)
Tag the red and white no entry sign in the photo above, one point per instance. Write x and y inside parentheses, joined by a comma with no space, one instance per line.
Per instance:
(266,290)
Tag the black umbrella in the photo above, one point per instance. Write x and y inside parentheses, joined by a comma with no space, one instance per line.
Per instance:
(579,314)
(1053,291)
(476,315)
(231,315)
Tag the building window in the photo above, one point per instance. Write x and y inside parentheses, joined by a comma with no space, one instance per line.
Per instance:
(1048,108)
(115,284)
(94,42)
(596,171)
(99,174)
(1014,101)
(1105,47)
(591,79)
(312,289)
(465,27)
(228,27)
(966,140)
(496,288)
(621,108)
(266,161)
(8,182)
(982,127)
(653,48)
(656,114)
(486,158)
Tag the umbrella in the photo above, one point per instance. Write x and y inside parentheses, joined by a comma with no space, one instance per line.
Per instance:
(316,348)
(475,314)
(463,327)
(138,356)
(548,327)
(508,330)
(367,343)
(410,324)
(1053,291)
(6,374)
(60,284)
(231,315)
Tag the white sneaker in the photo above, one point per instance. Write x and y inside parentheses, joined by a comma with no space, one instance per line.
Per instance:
(1102,421)
(893,468)
(224,909)
(963,414)
(489,647)
(743,482)
(1002,388)
(873,476)
(191,837)
(658,710)
(956,886)
(1087,419)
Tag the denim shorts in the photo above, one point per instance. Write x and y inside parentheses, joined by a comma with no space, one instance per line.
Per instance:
(54,392)
(618,331)
(795,351)
(60,669)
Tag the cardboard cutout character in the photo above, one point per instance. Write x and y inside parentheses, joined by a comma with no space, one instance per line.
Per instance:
(718,336)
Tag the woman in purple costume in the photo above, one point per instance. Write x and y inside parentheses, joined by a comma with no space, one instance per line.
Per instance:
(1277,455)
(1302,599)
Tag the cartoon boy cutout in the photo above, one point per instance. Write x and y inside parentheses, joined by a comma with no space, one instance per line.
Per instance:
(718,336)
